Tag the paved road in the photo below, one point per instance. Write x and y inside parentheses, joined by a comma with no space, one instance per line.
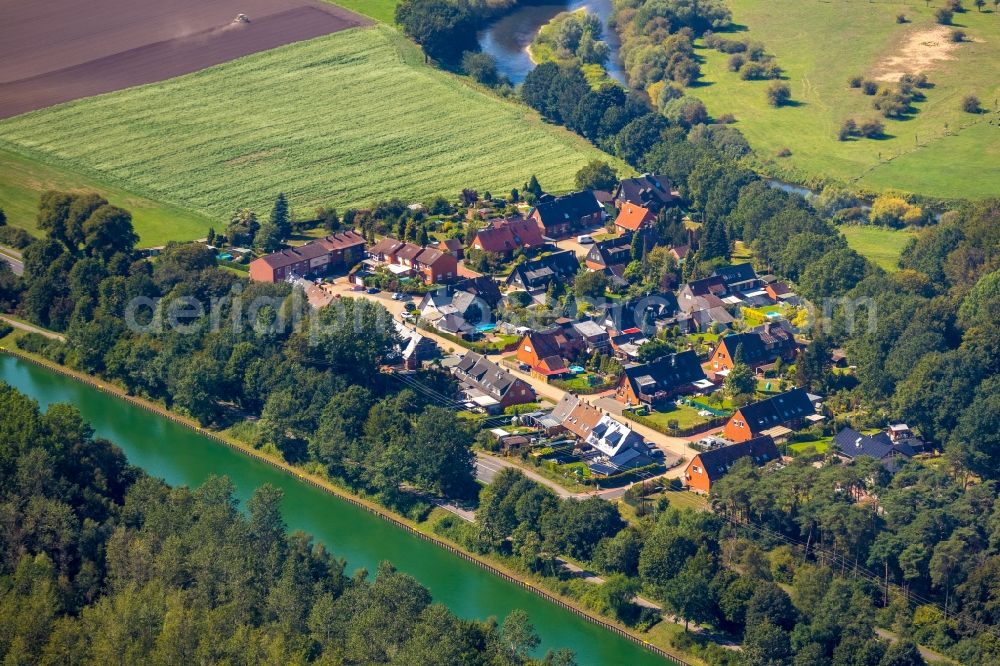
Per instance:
(487,467)
(12,257)
(34,329)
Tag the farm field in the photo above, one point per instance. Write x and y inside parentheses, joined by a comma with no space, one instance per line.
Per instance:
(22,181)
(939,151)
(51,52)
(341,120)
(877,244)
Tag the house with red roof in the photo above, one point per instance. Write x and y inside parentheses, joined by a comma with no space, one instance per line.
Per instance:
(633,218)
(505,236)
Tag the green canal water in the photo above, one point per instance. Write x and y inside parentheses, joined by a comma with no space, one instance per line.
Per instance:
(181,456)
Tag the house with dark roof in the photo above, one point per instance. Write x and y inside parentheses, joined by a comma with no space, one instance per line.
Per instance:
(652,383)
(559,217)
(633,218)
(549,352)
(535,275)
(505,236)
(758,349)
(608,253)
(738,277)
(318,257)
(850,445)
(709,466)
(483,287)
(481,378)
(776,416)
(714,286)
(648,190)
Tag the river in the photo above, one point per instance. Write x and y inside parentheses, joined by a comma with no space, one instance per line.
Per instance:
(181,456)
(507,38)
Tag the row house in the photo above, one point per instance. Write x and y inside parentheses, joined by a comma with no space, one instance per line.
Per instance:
(319,257)
(536,275)
(489,385)
(549,352)
(433,266)
(758,349)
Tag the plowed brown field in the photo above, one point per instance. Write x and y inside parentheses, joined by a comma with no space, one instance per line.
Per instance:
(60,50)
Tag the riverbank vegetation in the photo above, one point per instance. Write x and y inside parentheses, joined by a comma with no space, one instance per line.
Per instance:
(102,563)
(574,37)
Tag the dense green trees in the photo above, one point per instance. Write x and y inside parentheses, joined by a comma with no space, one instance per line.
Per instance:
(444,28)
(104,564)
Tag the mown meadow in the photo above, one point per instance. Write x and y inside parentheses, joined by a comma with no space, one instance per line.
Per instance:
(343,120)
(938,151)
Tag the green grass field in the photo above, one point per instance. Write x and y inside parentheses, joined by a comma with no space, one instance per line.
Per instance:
(879,245)
(939,151)
(380,10)
(22,180)
(342,120)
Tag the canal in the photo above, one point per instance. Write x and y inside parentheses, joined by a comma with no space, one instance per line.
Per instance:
(181,456)
(507,39)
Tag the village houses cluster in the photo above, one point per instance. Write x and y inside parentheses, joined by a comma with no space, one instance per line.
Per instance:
(661,361)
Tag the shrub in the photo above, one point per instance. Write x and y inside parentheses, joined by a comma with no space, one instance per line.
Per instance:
(871,128)
(854,81)
(944,16)
(736,62)
(970,104)
(869,87)
(5,329)
(900,18)
(784,152)
(778,94)
(726,119)
(848,129)
(751,71)
(958,36)
(954,6)
(893,211)
(920,81)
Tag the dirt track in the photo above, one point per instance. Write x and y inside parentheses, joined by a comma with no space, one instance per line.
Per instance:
(52,52)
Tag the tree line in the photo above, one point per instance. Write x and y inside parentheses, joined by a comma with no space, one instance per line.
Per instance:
(104,564)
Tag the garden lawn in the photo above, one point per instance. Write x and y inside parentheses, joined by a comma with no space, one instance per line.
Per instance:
(938,151)
(686,417)
(22,181)
(879,245)
(343,120)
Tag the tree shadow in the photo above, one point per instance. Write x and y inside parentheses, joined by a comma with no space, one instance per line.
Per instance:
(701,84)
(733,27)
(794,103)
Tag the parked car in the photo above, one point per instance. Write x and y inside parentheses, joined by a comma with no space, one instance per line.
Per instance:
(585,239)
(373,290)
(524,367)
(397,296)
(357,287)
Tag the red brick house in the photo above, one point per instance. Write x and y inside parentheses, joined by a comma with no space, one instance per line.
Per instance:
(433,266)
(503,237)
(758,349)
(775,416)
(558,217)
(547,352)
(482,376)
(656,381)
(318,257)
(708,467)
